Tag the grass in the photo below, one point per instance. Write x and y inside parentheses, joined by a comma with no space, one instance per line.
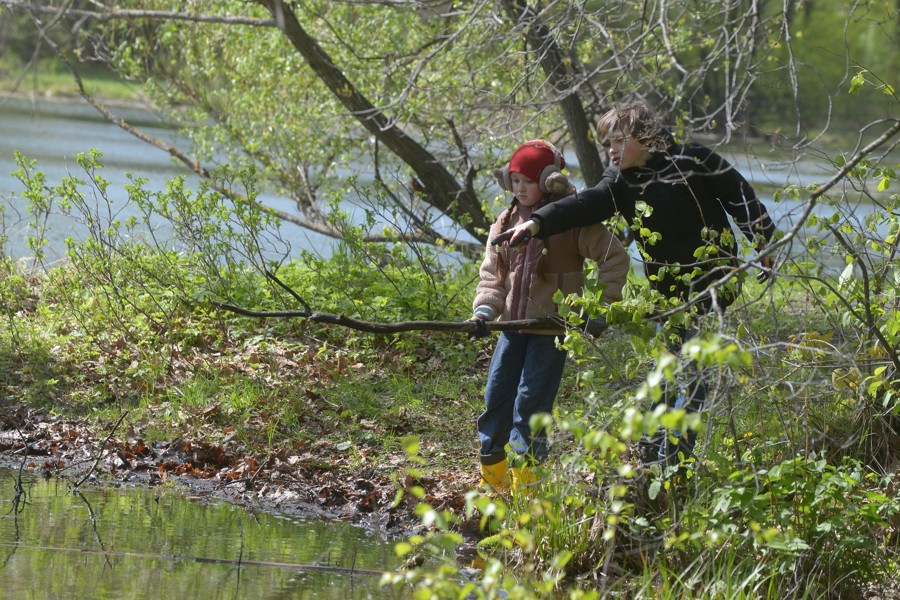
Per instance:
(50,79)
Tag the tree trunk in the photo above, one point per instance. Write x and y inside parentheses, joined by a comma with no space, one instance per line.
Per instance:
(565,85)
(441,188)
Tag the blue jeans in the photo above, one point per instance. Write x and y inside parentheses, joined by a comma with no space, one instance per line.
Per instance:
(523,380)
(688,392)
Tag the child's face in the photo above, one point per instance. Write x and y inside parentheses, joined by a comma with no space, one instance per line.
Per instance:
(528,192)
(624,151)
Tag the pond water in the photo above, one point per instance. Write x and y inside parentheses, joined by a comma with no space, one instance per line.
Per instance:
(54,132)
(106,542)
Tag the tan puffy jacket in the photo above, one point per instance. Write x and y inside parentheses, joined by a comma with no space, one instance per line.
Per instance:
(519,283)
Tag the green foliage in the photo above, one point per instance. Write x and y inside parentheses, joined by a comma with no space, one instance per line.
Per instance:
(382,281)
(779,467)
(792,493)
(818,83)
(134,296)
(264,104)
(791,482)
(809,520)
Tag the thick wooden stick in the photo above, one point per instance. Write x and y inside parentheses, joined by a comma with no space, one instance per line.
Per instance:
(381,327)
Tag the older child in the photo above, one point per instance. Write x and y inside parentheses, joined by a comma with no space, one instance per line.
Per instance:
(519,283)
(681,196)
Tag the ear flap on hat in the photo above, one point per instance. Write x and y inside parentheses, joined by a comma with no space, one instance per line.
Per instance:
(545,173)
(554,182)
(502,177)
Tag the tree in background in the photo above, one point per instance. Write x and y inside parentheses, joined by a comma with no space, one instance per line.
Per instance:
(413,102)
(421,99)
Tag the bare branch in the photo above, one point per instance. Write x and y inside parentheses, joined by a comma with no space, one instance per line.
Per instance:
(443,190)
(801,221)
(869,318)
(398,327)
(100,450)
(554,63)
(119,13)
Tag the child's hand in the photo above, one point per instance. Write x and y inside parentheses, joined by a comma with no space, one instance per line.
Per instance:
(517,236)
(481,328)
(507,236)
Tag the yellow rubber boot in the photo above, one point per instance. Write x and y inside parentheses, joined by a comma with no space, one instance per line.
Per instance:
(495,476)
(522,479)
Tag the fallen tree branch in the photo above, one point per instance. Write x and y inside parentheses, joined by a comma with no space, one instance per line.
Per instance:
(596,325)
(400,326)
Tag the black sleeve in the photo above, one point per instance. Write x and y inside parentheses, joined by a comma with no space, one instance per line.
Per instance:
(581,209)
(736,195)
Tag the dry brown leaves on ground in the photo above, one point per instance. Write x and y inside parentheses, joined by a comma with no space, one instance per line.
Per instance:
(318,478)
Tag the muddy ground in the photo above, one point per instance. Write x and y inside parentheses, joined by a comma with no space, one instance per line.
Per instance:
(318,479)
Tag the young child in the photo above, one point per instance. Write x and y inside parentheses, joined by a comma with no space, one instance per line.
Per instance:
(519,283)
(686,194)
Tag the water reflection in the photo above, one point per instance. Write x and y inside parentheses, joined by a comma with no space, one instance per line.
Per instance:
(124,542)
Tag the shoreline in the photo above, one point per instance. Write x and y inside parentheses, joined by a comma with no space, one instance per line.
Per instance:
(306,485)
(74,98)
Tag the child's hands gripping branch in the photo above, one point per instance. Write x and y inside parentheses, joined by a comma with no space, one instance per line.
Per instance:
(519,235)
(481,328)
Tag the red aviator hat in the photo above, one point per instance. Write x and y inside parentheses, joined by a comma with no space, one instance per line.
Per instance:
(531,158)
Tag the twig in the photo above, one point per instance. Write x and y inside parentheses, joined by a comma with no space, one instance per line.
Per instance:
(289,290)
(248,483)
(93,519)
(869,318)
(100,451)
(800,222)
(121,13)
(21,495)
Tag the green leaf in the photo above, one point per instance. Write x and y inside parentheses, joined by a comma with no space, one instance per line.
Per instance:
(857,82)
(410,444)
(402,548)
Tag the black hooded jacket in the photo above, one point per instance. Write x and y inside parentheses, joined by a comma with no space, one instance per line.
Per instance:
(677,205)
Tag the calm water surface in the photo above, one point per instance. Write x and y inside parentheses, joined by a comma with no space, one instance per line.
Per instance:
(53,133)
(123,542)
